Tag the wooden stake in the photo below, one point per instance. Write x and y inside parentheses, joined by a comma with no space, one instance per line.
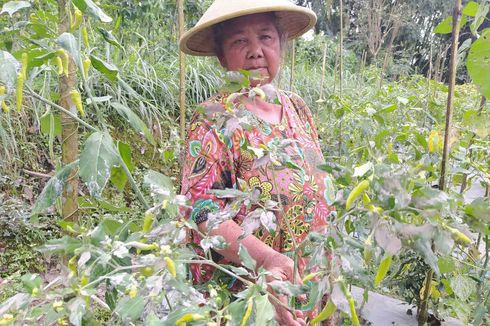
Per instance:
(69,132)
(450,98)
(341,54)
(424,303)
(180,8)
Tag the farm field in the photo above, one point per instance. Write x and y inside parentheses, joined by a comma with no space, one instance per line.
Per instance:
(95,104)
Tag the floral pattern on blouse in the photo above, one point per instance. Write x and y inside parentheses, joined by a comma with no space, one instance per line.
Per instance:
(221,154)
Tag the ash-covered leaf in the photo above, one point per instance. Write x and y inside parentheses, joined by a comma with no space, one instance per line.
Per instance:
(216,242)
(387,240)
(268,220)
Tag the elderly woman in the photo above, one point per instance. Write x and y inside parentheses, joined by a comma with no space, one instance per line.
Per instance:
(250,142)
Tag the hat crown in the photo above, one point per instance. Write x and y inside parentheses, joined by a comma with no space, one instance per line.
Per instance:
(226,7)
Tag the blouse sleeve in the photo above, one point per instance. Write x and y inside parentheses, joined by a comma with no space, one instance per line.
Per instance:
(207,165)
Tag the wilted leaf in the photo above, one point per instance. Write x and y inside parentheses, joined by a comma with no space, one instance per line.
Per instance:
(387,240)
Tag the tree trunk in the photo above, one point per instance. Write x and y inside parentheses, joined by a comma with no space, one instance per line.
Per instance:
(180,7)
(69,133)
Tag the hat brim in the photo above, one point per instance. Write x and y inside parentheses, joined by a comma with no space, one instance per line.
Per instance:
(294,22)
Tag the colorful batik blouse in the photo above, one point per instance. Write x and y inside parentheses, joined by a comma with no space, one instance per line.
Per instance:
(224,144)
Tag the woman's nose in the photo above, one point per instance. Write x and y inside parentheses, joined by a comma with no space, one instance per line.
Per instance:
(255,50)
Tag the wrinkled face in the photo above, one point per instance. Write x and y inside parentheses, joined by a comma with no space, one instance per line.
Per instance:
(252,43)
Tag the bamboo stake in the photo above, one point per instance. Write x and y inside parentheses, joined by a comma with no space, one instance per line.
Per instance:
(450,98)
(293,59)
(180,7)
(423,311)
(324,64)
(341,70)
(341,54)
(69,132)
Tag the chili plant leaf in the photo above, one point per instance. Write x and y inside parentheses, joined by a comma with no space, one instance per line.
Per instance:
(471,8)
(96,160)
(463,286)
(134,121)
(131,309)
(8,69)
(246,259)
(12,7)
(478,64)
(77,310)
(108,69)
(68,42)
(160,186)
(264,311)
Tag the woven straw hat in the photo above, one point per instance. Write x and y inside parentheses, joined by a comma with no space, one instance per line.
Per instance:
(293,20)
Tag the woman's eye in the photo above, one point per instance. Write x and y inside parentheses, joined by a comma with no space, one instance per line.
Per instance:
(266,37)
(239,41)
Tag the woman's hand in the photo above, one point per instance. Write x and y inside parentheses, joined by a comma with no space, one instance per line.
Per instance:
(281,268)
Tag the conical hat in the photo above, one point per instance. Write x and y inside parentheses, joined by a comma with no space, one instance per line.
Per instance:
(292,19)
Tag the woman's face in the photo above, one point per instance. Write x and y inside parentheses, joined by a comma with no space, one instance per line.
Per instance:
(252,43)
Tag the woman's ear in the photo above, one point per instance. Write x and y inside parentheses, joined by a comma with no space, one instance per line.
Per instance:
(222,60)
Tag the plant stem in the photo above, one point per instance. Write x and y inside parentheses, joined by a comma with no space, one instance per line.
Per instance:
(483,271)
(60,108)
(241,279)
(131,180)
